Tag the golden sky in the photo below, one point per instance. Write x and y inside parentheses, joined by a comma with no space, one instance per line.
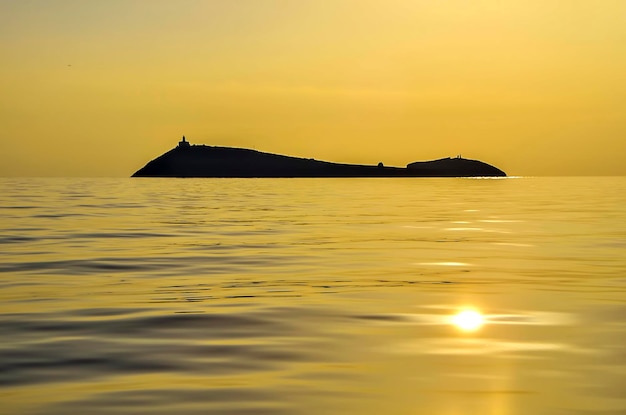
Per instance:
(99,88)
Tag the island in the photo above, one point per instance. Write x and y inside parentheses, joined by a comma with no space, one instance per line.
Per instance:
(188,160)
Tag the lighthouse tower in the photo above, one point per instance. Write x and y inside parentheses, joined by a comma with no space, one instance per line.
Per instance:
(183,143)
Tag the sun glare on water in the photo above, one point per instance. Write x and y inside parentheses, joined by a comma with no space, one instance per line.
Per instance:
(468,320)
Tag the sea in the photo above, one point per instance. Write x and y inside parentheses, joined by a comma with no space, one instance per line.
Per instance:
(313,296)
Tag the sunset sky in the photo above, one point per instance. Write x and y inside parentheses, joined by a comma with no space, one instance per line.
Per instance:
(99,88)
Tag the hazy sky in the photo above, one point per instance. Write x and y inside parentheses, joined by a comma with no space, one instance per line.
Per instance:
(99,88)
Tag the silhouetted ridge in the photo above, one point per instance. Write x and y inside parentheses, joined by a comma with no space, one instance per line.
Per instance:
(207,161)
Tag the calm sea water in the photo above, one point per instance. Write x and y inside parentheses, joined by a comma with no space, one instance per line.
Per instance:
(313,296)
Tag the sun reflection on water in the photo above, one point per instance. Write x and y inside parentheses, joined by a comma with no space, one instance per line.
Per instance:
(468,320)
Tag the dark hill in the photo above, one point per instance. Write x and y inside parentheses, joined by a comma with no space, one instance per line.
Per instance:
(208,161)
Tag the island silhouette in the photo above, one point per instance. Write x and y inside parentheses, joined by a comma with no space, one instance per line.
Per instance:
(186,160)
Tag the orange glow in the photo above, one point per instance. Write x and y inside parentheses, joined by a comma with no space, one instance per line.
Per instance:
(100,88)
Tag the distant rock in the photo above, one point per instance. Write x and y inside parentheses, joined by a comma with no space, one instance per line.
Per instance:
(457,166)
(207,161)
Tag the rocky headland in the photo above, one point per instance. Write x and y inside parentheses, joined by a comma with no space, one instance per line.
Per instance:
(188,160)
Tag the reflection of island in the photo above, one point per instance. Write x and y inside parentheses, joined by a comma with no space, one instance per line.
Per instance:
(207,161)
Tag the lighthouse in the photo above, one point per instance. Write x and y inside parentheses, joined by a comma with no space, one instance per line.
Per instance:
(183,143)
